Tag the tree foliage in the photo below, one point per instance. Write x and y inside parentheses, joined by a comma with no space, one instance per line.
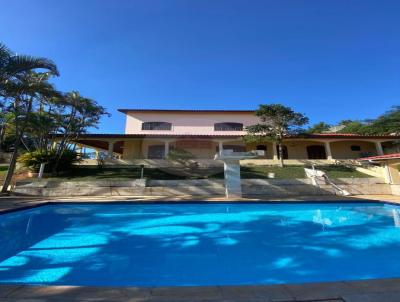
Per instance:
(13,66)
(34,159)
(320,127)
(276,122)
(75,115)
(34,112)
(386,124)
(354,127)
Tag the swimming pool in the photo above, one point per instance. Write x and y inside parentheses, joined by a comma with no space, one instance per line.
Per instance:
(199,244)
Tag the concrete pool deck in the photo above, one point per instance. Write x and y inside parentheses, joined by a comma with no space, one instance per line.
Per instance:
(385,290)
(380,290)
(8,203)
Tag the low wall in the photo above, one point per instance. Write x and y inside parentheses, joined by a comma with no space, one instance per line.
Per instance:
(201,187)
(157,163)
(294,187)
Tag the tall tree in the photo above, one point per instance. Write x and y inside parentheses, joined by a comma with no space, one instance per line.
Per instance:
(386,124)
(320,127)
(276,123)
(76,115)
(21,97)
(14,74)
(354,127)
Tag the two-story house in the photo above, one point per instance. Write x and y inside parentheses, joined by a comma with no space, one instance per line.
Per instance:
(151,134)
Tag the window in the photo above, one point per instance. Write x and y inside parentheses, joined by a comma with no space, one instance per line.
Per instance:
(261,147)
(355,148)
(228,127)
(156,126)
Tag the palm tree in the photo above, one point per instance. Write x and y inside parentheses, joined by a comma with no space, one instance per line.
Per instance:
(12,65)
(79,114)
(22,94)
(14,70)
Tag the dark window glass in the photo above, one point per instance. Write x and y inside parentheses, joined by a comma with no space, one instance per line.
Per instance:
(355,148)
(156,126)
(228,127)
(262,147)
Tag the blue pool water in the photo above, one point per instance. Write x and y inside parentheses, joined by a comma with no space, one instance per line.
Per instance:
(199,244)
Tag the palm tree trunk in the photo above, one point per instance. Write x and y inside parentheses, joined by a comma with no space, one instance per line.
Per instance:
(2,133)
(11,169)
(20,134)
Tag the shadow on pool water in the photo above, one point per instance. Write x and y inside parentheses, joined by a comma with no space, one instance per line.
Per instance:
(198,244)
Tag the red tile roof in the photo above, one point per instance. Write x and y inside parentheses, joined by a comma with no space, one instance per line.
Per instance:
(350,135)
(304,136)
(122,136)
(381,157)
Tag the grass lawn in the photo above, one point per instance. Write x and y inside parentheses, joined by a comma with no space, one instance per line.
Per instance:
(333,171)
(3,171)
(82,174)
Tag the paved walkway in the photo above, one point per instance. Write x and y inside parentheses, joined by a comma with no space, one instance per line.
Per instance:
(382,290)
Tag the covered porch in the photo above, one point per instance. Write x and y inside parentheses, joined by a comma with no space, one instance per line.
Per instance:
(325,148)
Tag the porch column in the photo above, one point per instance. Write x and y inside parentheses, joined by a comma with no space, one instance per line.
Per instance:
(110,149)
(166,149)
(96,154)
(379,149)
(220,147)
(393,176)
(274,152)
(328,150)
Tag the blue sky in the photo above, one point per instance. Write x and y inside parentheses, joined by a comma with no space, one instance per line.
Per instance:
(331,60)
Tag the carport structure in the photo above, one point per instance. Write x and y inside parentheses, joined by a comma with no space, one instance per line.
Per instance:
(391,163)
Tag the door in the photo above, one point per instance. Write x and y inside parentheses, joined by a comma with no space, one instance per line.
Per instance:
(156,152)
(316,152)
(262,148)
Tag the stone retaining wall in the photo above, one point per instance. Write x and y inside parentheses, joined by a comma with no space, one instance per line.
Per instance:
(201,187)
(293,187)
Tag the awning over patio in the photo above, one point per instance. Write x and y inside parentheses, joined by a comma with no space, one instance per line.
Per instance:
(329,146)
(391,163)
(379,158)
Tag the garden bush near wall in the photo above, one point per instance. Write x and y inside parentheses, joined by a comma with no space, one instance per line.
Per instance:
(179,154)
(32,160)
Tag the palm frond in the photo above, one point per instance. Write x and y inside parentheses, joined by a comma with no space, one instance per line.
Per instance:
(22,63)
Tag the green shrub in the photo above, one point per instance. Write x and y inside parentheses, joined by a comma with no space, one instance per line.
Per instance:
(179,154)
(32,160)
